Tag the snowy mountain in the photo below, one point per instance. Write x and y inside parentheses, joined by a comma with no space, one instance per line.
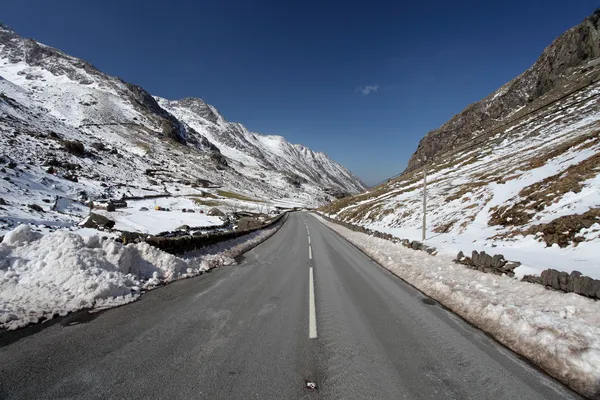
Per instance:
(70,130)
(527,186)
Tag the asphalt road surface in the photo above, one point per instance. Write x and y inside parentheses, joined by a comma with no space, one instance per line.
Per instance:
(303,308)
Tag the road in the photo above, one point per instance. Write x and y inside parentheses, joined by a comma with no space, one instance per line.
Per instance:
(289,313)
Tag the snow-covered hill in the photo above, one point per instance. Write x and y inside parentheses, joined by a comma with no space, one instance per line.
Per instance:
(528,188)
(130,143)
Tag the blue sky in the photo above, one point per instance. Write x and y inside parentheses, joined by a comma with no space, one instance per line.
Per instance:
(361,81)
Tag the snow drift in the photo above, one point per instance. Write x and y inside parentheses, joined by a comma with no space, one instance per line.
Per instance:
(42,276)
(559,332)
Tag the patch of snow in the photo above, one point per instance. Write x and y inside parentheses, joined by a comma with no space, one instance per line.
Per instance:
(43,276)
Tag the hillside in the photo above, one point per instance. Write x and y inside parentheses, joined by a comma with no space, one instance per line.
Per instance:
(69,130)
(523,181)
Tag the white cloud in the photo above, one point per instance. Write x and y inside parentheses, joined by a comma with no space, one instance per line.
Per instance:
(368,89)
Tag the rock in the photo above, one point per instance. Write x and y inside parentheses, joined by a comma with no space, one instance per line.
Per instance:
(110,207)
(584,285)
(183,228)
(430,250)
(11,165)
(35,207)
(416,245)
(98,146)
(576,47)
(569,284)
(576,283)
(143,208)
(460,256)
(510,266)
(554,279)
(3,202)
(98,221)
(246,223)
(562,281)
(74,147)
(475,257)
(498,261)
(215,212)
(594,288)
(131,237)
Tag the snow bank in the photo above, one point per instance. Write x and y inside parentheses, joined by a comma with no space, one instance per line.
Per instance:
(42,276)
(559,332)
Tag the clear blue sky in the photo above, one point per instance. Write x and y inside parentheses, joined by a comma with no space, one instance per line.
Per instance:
(296,68)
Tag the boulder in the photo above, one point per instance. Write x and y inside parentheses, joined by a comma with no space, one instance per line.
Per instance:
(563,280)
(460,255)
(585,284)
(246,223)
(143,208)
(498,261)
(215,212)
(545,277)
(554,280)
(183,228)
(74,147)
(35,207)
(416,245)
(475,257)
(98,221)
(594,288)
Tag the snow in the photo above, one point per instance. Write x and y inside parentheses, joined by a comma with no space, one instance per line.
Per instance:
(62,98)
(560,332)
(153,222)
(491,175)
(43,276)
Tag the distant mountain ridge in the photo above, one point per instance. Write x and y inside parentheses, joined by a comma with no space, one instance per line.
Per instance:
(92,106)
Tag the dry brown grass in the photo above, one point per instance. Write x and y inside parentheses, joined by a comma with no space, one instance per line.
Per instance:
(541,194)
(564,147)
(464,189)
(562,230)
(445,228)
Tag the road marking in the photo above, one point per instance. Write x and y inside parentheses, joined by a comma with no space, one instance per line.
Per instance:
(312,314)
(309,252)
(308,239)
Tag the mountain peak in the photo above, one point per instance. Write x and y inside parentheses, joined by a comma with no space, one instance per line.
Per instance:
(6,28)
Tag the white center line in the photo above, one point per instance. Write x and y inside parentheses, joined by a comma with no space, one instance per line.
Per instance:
(312,314)
(308,239)
(309,252)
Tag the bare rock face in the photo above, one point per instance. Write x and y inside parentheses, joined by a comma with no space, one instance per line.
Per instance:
(570,58)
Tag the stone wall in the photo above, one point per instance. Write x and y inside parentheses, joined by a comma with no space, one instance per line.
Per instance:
(414,244)
(182,244)
(574,282)
(487,263)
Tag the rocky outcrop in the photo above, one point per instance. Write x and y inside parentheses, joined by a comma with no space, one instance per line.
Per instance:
(566,59)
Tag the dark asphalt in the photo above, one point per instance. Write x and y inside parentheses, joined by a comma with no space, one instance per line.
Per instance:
(242,332)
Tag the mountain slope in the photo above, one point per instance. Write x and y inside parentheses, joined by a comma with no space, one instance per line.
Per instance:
(527,187)
(256,151)
(561,68)
(48,98)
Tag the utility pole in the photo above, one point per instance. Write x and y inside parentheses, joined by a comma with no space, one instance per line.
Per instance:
(424,201)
